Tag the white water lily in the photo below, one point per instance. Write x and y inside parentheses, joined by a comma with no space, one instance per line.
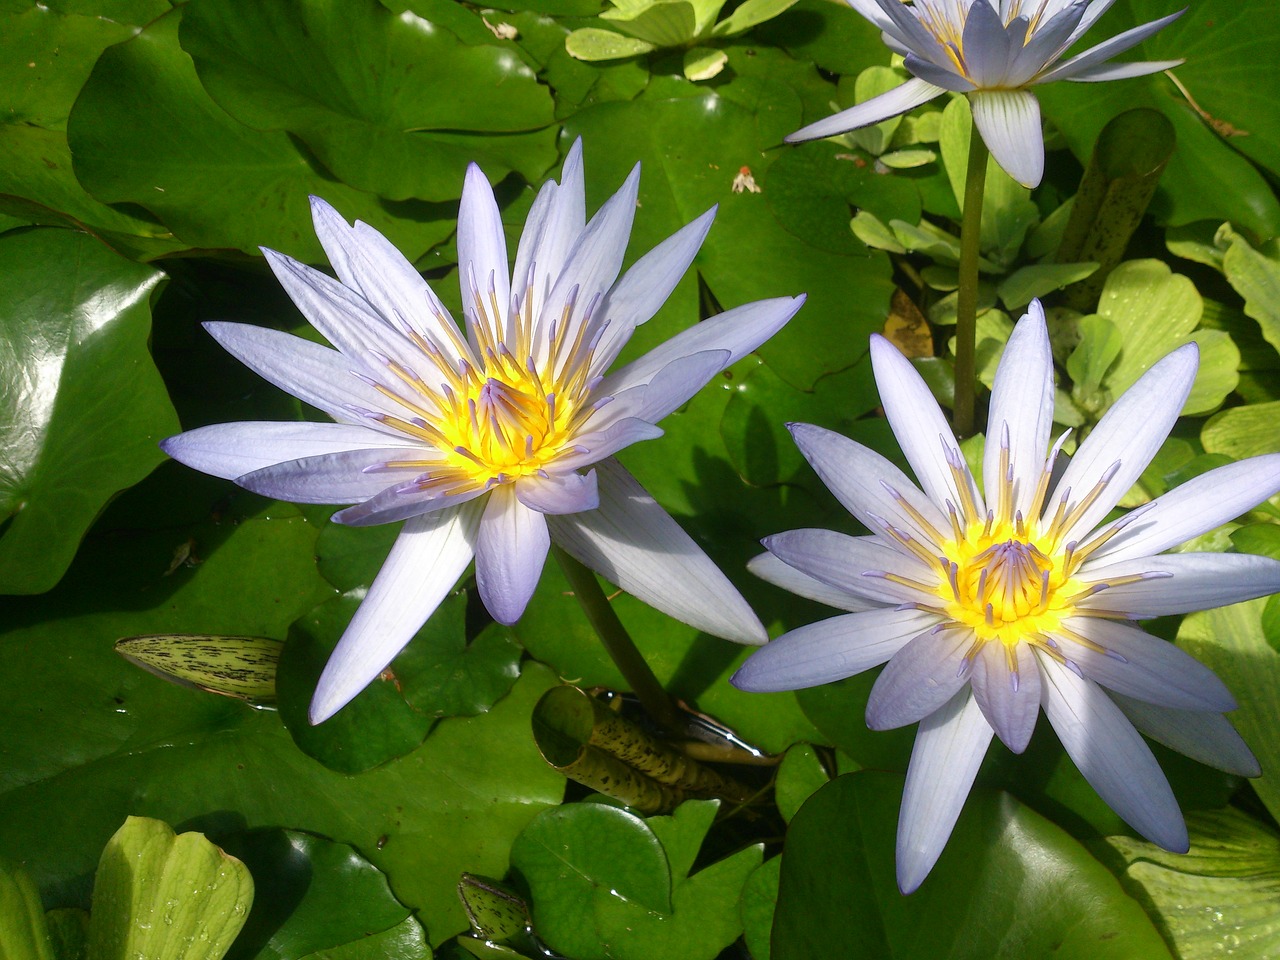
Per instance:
(988,608)
(992,51)
(492,444)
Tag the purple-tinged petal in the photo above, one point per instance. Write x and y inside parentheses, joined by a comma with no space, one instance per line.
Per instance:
(830,650)
(923,433)
(1022,406)
(601,444)
(424,564)
(1111,755)
(1009,121)
(739,331)
(1093,10)
(1107,49)
(854,565)
(1129,434)
(1141,666)
(871,11)
(675,384)
(405,501)
(1045,46)
(559,492)
(554,224)
(312,372)
(890,104)
(348,476)
(1122,71)
(987,45)
(482,251)
(920,678)
(1009,700)
(634,543)
(912,33)
(769,568)
(511,548)
(944,762)
(865,483)
(645,287)
(1197,506)
(230,450)
(943,76)
(1203,736)
(1181,583)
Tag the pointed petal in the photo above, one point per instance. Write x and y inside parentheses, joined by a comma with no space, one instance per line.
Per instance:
(944,762)
(1108,49)
(1200,735)
(1195,507)
(769,568)
(633,542)
(938,75)
(1009,121)
(739,331)
(830,650)
(853,565)
(312,372)
(1010,699)
(600,444)
(482,248)
(511,548)
(988,46)
(868,485)
(923,433)
(1122,71)
(348,476)
(559,492)
(675,384)
(403,502)
(645,287)
(1046,45)
(896,101)
(920,678)
(1136,664)
(1021,410)
(231,450)
(423,566)
(1129,434)
(1181,583)
(554,224)
(1111,755)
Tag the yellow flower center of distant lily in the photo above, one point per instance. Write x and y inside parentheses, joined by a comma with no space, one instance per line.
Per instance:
(495,415)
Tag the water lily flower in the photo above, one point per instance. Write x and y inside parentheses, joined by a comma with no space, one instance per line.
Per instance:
(990,605)
(493,442)
(992,51)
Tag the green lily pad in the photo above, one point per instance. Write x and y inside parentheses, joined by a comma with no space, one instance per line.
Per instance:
(703,63)
(1009,884)
(166,896)
(1243,431)
(84,405)
(144,131)
(800,775)
(318,899)
(1219,898)
(1255,274)
(407,130)
(593,44)
(759,899)
(24,935)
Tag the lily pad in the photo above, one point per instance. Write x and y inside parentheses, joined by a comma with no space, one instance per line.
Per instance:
(1243,431)
(84,406)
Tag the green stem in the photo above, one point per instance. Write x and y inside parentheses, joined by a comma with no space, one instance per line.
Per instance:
(656,701)
(967,295)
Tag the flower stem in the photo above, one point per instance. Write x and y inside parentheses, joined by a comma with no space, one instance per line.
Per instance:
(967,295)
(655,700)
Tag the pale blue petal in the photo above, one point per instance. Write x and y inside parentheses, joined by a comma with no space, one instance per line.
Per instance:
(482,251)
(1195,507)
(920,678)
(401,503)
(938,75)
(768,567)
(911,32)
(231,450)
(675,384)
(862,480)
(347,476)
(599,444)
(1111,755)
(919,426)
(987,45)
(559,492)
(1093,11)
(1108,49)
(1009,121)
(1022,405)
(844,562)
(424,564)
(1048,43)
(890,104)
(634,543)
(944,762)
(1193,581)
(1129,434)
(1010,705)
(1122,71)
(511,548)
(1144,667)
(554,224)
(830,650)
(1203,736)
